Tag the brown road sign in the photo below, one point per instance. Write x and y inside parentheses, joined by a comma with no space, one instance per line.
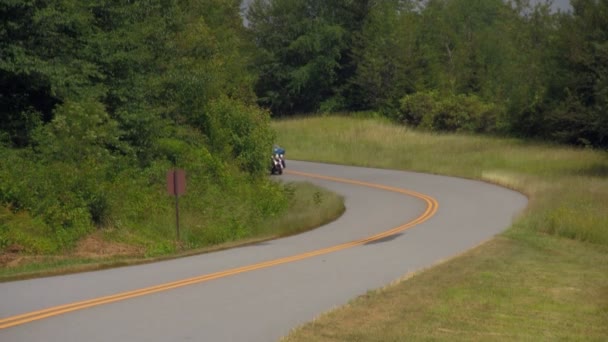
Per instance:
(176,182)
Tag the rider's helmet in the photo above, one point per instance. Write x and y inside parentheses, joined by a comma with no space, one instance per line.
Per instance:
(276,149)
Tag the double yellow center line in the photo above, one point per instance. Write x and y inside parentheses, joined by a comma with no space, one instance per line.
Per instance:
(431,209)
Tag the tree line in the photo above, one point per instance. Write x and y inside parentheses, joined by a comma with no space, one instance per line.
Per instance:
(491,66)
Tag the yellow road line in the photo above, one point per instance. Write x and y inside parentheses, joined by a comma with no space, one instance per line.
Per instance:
(431,209)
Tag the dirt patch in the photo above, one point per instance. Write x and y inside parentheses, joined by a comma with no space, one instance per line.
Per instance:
(11,256)
(7,258)
(94,246)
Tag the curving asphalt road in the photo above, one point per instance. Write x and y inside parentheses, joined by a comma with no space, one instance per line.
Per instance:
(260,292)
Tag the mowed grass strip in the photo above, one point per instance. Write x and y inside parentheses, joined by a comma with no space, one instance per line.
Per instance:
(545,278)
(310,207)
(505,290)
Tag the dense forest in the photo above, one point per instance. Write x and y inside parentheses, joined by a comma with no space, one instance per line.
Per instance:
(100,98)
(488,66)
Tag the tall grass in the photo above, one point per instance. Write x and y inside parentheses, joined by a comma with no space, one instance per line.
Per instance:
(543,279)
(308,206)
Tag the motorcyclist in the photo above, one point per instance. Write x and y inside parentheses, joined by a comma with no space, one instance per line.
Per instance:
(276,166)
(280,152)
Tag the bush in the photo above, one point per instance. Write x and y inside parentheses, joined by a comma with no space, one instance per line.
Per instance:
(63,199)
(451,113)
(238,134)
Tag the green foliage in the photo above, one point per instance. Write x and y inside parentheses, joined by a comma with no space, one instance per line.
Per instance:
(303,50)
(42,64)
(241,132)
(451,113)
(160,248)
(579,112)
(79,131)
(544,70)
(385,54)
(54,198)
(100,99)
(60,203)
(20,229)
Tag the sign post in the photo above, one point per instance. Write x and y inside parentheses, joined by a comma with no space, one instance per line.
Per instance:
(176,185)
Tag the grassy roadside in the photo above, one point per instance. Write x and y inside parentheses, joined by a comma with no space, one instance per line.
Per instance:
(545,278)
(310,207)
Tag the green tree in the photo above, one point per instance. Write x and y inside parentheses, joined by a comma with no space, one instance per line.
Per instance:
(43,63)
(466,44)
(80,131)
(579,90)
(299,50)
(523,80)
(386,55)
(304,58)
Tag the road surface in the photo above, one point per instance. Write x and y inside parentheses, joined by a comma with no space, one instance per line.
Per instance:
(260,292)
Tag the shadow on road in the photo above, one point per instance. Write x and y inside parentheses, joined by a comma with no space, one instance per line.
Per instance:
(384,239)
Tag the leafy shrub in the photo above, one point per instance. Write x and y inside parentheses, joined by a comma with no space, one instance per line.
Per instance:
(29,233)
(239,133)
(53,193)
(453,113)
(333,104)
(415,106)
(80,130)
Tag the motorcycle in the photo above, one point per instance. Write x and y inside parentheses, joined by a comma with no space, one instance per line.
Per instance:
(277,164)
(277,160)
